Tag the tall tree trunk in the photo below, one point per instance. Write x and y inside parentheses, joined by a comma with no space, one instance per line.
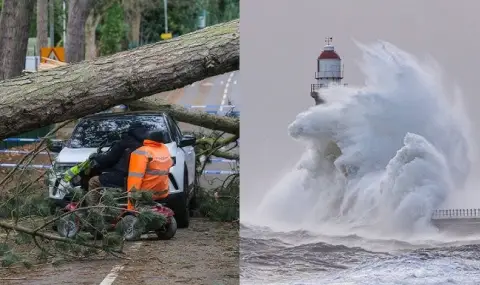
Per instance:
(133,17)
(134,32)
(90,35)
(42,20)
(14,26)
(78,11)
(59,94)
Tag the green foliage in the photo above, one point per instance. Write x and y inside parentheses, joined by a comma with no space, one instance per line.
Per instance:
(151,219)
(226,207)
(183,17)
(112,30)
(8,256)
(23,238)
(153,22)
(111,240)
(29,204)
(4,248)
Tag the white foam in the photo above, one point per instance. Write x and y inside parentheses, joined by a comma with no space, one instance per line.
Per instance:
(404,141)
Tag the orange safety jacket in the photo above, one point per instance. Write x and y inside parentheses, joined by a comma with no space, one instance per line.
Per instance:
(148,170)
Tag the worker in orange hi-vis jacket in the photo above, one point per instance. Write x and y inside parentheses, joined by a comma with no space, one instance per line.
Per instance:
(149,167)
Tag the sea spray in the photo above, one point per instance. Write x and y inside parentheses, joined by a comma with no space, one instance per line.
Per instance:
(403,150)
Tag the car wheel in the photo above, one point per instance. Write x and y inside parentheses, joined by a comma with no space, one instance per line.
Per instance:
(169,231)
(130,228)
(183,214)
(193,201)
(193,204)
(68,226)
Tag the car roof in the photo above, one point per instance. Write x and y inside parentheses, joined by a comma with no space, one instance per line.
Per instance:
(127,113)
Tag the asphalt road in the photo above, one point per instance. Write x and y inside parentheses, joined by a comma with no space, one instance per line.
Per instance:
(211,94)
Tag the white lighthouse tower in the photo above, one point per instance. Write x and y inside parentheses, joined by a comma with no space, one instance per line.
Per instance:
(329,70)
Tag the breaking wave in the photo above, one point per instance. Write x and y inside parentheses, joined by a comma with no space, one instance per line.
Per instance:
(404,142)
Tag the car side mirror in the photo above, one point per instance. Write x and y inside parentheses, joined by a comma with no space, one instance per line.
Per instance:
(187,140)
(55,146)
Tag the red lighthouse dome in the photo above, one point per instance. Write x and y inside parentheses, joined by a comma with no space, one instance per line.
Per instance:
(328,53)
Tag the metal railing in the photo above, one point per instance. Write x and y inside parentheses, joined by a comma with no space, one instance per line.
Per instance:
(456,214)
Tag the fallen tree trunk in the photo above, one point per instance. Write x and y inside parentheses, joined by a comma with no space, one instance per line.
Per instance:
(198,118)
(73,91)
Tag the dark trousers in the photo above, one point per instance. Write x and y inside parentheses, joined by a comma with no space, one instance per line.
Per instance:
(107,179)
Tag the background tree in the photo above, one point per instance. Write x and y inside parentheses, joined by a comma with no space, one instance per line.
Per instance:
(59,17)
(98,11)
(42,20)
(78,11)
(133,16)
(219,11)
(134,11)
(14,28)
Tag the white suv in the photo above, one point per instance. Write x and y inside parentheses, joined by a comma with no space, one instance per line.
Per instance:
(92,130)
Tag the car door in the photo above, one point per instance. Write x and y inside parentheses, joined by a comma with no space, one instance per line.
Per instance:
(189,156)
(188,151)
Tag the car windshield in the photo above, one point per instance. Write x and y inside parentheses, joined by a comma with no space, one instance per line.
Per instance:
(92,132)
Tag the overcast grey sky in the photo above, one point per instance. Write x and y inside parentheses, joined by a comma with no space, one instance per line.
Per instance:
(281,39)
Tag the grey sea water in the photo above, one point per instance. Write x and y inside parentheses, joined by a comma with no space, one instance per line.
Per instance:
(298,257)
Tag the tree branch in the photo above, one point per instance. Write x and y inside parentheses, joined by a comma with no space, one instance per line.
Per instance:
(198,118)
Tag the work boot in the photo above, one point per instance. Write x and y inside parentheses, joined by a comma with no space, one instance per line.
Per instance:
(92,198)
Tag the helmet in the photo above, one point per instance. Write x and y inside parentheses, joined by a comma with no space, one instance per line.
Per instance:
(136,125)
(137,130)
(157,136)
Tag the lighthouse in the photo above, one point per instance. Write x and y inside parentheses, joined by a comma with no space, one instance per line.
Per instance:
(329,70)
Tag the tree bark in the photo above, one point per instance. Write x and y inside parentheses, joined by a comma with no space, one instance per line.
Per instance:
(78,11)
(90,35)
(76,90)
(198,118)
(14,26)
(135,22)
(42,21)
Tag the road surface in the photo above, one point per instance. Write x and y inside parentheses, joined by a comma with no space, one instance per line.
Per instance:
(214,93)
(205,253)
